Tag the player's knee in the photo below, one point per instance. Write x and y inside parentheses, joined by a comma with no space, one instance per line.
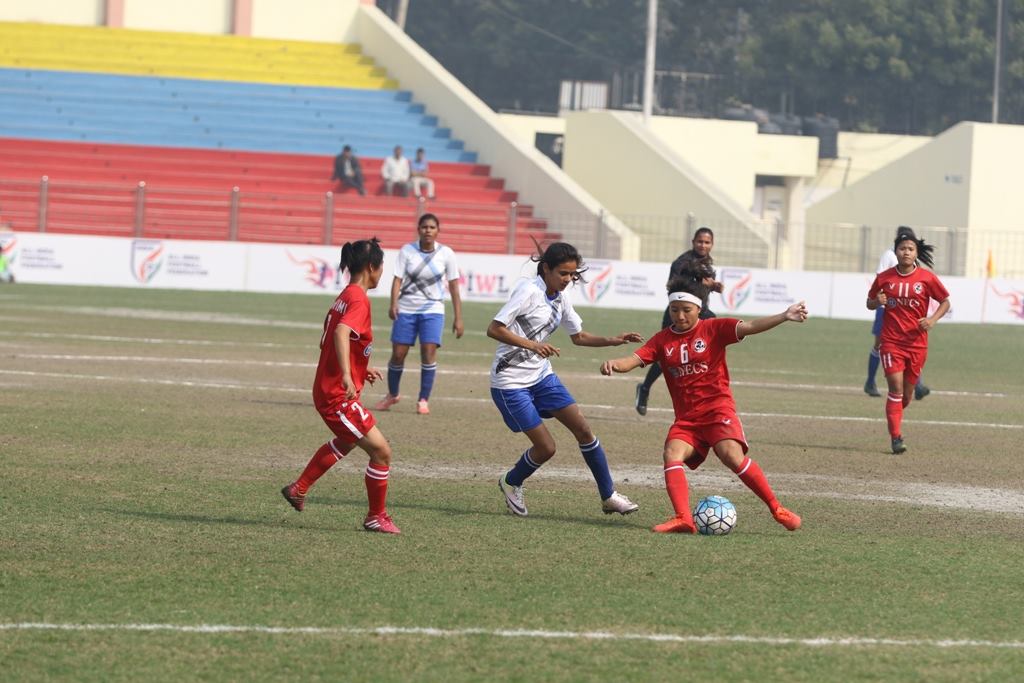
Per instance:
(381,454)
(543,452)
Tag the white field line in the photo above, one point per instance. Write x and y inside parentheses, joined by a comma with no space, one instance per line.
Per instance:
(189,316)
(463,399)
(413,367)
(61,336)
(819,642)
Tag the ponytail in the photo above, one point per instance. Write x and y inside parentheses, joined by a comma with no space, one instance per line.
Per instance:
(356,256)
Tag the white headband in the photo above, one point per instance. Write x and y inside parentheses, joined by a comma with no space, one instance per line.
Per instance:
(685,296)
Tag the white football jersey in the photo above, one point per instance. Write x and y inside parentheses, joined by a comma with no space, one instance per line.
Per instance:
(425,276)
(531,314)
(887,261)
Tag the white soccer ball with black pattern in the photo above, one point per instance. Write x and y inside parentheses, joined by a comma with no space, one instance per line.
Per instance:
(714,516)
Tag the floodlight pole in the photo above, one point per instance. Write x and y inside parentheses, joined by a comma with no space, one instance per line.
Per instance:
(999,61)
(652,40)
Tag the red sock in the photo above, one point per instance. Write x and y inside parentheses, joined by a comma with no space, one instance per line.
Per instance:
(906,401)
(894,415)
(376,487)
(750,474)
(678,490)
(323,460)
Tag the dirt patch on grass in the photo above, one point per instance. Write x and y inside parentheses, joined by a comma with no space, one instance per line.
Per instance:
(975,498)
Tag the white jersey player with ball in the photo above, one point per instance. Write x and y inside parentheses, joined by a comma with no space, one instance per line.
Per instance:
(526,390)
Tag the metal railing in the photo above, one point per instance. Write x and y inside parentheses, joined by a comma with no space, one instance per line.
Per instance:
(328,218)
(144,210)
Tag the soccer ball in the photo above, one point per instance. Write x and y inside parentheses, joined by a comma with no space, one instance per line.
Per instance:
(715,516)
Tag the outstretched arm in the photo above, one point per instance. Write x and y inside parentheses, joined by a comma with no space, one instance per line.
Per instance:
(584,338)
(796,313)
(624,364)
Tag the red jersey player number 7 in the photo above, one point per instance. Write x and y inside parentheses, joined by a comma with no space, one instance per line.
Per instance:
(345,348)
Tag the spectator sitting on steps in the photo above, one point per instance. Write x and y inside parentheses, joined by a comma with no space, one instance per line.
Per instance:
(395,172)
(420,170)
(347,170)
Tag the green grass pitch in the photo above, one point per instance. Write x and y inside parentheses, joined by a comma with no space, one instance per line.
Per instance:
(146,434)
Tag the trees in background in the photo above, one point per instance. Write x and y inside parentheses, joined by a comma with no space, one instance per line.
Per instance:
(907,66)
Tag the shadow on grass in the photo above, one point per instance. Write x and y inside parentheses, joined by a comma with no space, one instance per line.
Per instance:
(210,519)
(604,521)
(451,510)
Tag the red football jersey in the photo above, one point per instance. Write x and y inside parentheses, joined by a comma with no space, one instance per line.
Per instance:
(907,303)
(694,366)
(352,307)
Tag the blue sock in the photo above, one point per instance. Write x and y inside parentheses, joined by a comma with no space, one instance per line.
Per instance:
(598,464)
(523,469)
(427,373)
(394,378)
(873,361)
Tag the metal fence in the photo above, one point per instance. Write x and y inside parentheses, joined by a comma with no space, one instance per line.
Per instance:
(327,218)
(310,218)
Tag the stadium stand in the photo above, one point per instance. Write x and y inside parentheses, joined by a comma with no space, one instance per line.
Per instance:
(199,126)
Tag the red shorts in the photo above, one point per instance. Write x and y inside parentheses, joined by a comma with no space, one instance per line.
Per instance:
(711,429)
(350,421)
(901,360)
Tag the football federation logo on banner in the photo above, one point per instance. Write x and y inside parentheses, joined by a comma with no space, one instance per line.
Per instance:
(146,260)
(599,284)
(699,346)
(317,271)
(737,283)
(7,245)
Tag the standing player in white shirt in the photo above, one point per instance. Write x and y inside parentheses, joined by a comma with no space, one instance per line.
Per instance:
(525,388)
(888,260)
(422,272)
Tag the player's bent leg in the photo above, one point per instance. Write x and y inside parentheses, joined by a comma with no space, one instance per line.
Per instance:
(376,480)
(324,459)
(730,452)
(511,483)
(596,459)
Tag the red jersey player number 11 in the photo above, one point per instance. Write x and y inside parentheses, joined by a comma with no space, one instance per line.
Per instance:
(905,292)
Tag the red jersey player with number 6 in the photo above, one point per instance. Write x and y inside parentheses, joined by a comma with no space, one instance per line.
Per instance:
(905,292)
(691,353)
(345,349)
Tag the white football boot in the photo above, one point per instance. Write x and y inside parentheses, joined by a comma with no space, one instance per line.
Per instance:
(513,497)
(618,503)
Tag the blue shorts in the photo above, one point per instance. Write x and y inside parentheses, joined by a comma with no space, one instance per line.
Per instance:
(524,409)
(429,327)
(876,328)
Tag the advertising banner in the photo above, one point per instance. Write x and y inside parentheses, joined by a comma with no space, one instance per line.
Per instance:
(305,269)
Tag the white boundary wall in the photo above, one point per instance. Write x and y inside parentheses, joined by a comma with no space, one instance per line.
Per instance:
(238,266)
